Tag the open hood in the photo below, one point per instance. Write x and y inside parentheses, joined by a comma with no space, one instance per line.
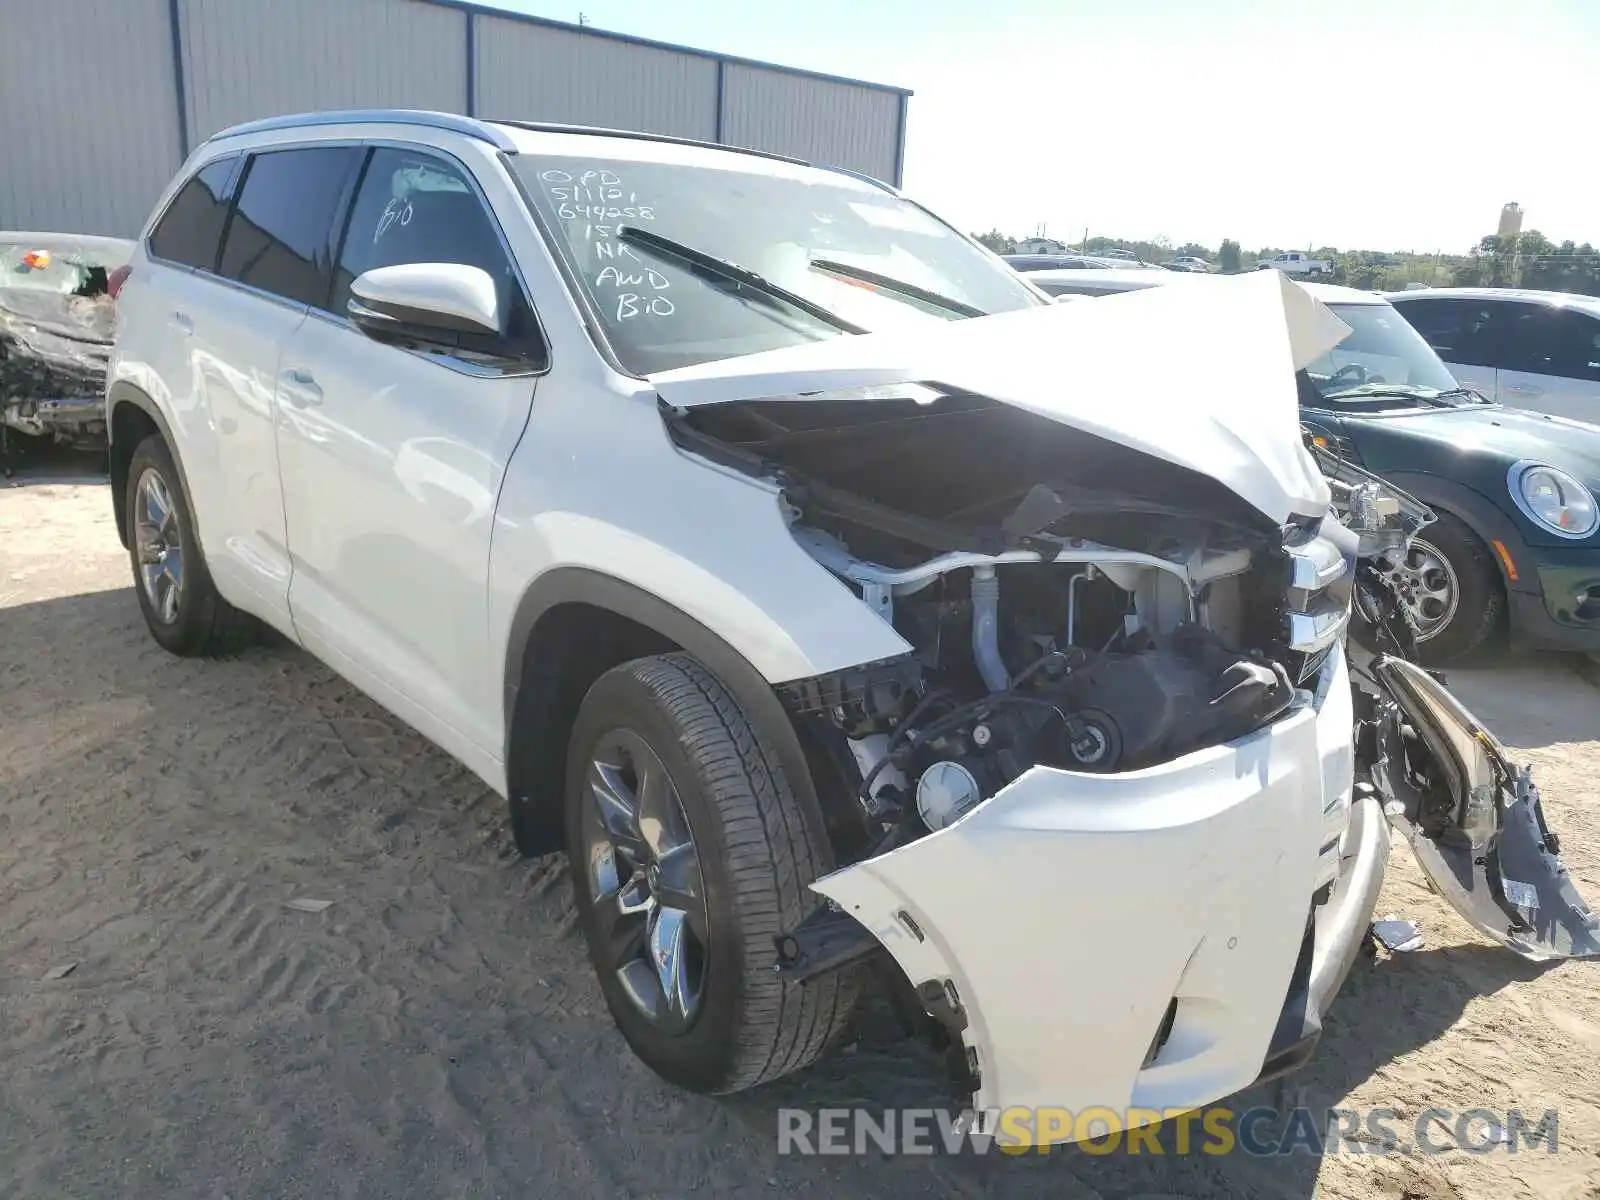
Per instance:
(1200,377)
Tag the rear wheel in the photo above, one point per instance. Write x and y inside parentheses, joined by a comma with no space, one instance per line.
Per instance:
(181,605)
(689,853)
(1450,586)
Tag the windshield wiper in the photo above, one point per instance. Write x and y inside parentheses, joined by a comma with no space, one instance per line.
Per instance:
(898,286)
(708,266)
(1394,392)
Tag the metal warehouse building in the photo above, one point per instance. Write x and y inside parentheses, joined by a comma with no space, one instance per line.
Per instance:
(101,100)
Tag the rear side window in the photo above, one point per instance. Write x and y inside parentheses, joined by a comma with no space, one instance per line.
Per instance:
(1551,341)
(190,231)
(1575,349)
(278,239)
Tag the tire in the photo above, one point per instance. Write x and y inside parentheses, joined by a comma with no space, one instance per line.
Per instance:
(198,623)
(1480,596)
(757,851)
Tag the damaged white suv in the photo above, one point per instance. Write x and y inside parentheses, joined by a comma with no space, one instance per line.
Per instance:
(833,599)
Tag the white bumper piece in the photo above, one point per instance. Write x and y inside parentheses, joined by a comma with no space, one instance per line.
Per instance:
(1064,915)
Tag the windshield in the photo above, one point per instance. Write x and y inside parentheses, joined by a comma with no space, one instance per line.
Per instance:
(26,269)
(1383,357)
(842,244)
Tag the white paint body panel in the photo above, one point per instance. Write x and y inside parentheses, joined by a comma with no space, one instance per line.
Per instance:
(576,499)
(1104,368)
(1191,880)
(208,355)
(1553,395)
(390,479)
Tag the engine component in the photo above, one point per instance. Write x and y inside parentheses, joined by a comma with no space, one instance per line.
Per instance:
(1163,698)
(986,629)
(945,792)
(860,700)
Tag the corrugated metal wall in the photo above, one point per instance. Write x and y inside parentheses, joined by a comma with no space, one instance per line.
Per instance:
(249,58)
(95,117)
(535,73)
(88,113)
(818,120)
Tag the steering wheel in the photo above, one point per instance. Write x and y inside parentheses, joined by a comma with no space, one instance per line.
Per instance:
(1354,371)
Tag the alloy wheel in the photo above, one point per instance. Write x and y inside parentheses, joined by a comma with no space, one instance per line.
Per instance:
(159,545)
(1428,587)
(644,880)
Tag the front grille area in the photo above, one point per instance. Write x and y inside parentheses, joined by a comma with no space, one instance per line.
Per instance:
(1317,603)
(1317,610)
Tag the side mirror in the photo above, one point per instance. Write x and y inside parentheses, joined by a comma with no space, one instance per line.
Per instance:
(431,302)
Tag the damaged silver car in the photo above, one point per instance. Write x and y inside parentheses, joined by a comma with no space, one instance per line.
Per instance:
(57,324)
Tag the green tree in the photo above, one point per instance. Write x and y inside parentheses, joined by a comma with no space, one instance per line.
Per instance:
(996,241)
(1228,257)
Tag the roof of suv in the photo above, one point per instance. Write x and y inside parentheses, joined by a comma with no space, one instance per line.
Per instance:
(1525,295)
(514,136)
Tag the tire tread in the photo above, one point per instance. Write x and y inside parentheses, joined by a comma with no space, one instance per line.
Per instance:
(772,854)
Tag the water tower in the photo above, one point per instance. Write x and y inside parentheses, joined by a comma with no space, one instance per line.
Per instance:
(1510,220)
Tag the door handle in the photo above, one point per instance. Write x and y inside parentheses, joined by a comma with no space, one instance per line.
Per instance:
(183,323)
(299,388)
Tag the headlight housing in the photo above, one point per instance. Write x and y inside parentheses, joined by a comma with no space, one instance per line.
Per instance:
(1553,499)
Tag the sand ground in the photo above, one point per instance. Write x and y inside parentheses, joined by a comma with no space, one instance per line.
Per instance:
(436,1031)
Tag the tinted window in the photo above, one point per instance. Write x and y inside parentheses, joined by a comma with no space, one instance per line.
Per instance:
(1576,350)
(417,208)
(1526,334)
(279,235)
(1460,330)
(1551,341)
(191,229)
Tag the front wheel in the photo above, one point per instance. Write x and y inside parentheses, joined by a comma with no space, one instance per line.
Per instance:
(689,852)
(1448,583)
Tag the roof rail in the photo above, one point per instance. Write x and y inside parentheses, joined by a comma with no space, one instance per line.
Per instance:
(450,122)
(635,135)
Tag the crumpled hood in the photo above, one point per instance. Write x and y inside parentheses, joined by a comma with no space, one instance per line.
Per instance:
(1200,377)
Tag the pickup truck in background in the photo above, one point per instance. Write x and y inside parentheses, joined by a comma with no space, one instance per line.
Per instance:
(1293,262)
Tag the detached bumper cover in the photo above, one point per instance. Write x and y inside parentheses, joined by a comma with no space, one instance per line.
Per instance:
(1072,919)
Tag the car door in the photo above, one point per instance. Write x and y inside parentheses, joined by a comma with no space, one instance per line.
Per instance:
(1460,330)
(1549,360)
(227,318)
(392,457)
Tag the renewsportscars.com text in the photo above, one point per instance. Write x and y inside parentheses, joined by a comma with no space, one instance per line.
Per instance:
(1213,1131)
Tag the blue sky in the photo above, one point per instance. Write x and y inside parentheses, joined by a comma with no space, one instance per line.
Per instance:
(1384,124)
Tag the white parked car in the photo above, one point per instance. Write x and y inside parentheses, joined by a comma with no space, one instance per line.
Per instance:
(1189,263)
(1525,349)
(781,555)
(1298,264)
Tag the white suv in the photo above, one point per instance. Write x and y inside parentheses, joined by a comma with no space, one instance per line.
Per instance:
(668,487)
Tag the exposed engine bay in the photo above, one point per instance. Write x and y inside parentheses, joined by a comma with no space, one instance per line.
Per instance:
(1103,662)
(1120,620)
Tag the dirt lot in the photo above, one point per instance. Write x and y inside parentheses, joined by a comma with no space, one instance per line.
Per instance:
(436,1031)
